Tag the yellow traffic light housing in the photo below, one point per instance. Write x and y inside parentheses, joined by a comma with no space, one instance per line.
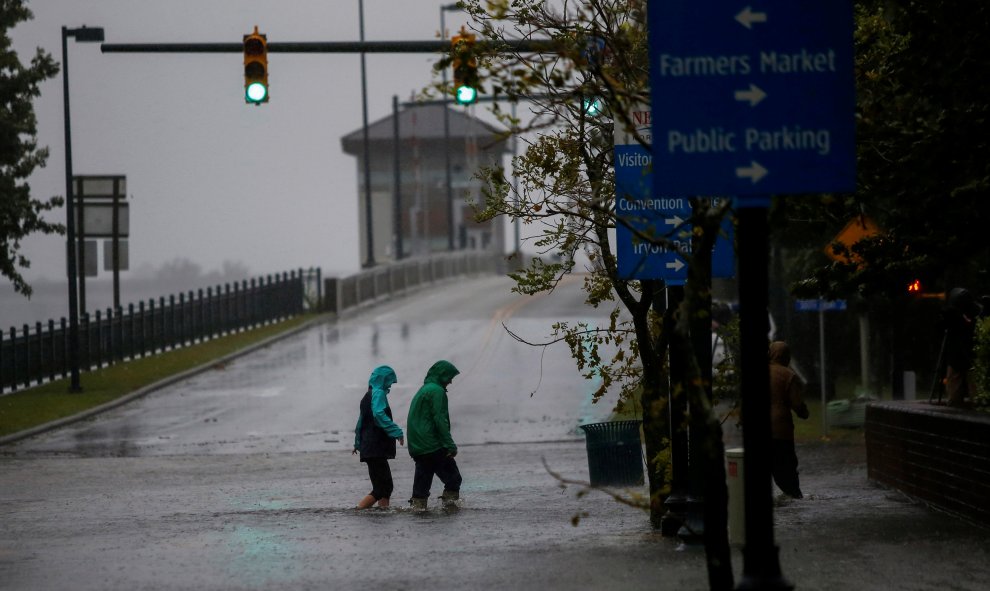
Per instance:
(465,67)
(255,68)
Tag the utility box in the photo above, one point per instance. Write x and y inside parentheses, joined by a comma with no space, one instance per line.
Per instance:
(735,479)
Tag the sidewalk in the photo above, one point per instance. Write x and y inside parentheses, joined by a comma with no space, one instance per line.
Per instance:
(266,521)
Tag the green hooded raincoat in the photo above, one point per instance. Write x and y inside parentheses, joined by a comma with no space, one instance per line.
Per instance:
(428,424)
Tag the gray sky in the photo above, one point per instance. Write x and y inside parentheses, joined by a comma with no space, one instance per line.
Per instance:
(211,179)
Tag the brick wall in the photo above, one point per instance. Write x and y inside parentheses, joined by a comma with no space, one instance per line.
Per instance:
(936,454)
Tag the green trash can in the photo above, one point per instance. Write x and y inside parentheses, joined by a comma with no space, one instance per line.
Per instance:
(615,453)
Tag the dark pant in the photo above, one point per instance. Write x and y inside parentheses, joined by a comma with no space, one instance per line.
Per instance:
(785,464)
(437,463)
(381,478)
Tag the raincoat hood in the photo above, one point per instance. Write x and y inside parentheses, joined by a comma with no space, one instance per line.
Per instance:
(382,378)
(442,373)
(780,353)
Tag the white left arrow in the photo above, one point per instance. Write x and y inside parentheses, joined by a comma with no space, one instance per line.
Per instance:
(675,264)
(754,95)
(747,17)
(754,172)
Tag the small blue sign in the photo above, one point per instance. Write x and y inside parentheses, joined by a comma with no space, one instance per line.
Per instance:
(752,97)
(820,305)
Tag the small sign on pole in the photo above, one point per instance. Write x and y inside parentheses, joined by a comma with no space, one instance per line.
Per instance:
(821,306)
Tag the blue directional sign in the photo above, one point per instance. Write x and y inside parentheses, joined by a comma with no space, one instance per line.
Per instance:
(640,215)
(752,96)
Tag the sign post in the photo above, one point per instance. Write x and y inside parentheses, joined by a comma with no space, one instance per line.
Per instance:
(821,306)
(102,214)
(752,99)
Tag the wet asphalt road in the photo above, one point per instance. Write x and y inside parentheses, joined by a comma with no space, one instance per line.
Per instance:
(301,394)
(241,478)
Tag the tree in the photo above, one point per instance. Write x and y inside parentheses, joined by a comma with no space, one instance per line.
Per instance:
(923,141)
(923,157)
(20,214)
(598,56)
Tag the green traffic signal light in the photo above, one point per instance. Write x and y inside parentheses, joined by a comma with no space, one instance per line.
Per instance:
(593,107)
(466,95)
(256,92)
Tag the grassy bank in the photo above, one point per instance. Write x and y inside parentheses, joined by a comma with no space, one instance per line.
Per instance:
(51,401)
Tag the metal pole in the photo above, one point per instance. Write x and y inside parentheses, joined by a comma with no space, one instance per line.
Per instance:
(397,201)
(369,226)
(516,230)
(433,46)
(80,199)
(116,244)
(70,228)
(446,141)
(821,349)
(761,563)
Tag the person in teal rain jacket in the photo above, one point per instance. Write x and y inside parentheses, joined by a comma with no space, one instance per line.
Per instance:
(430,443)
(375,436)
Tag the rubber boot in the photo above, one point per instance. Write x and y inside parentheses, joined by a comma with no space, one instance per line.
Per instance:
(449,499)
(383,503)
(366,502)
(418,504)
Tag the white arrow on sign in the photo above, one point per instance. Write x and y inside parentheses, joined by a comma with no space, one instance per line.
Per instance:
(754,171)
(675,264)
(747,17)
(754,95)
(674,221)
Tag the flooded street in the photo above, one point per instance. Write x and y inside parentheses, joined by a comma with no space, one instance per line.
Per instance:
(285,521)
(241,477)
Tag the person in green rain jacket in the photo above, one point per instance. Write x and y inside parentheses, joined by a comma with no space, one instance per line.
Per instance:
(375,436)
(430,443)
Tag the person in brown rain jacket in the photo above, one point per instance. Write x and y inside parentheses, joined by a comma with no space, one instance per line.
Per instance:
(785,397)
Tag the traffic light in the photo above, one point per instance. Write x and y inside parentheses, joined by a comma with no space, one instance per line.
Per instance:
(465,66)
(255,68)
(593,106)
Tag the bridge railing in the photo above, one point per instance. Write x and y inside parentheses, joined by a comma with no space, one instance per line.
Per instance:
(372,285)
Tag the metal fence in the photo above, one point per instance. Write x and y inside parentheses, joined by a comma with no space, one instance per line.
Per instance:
(34,356)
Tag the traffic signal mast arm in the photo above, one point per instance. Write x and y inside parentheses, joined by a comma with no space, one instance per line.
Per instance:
(256,47)
(532,45)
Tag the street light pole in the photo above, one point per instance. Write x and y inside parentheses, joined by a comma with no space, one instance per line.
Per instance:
(369,222)
(94,34)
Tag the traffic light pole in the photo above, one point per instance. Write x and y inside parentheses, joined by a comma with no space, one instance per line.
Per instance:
(446,138)
(369,223)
